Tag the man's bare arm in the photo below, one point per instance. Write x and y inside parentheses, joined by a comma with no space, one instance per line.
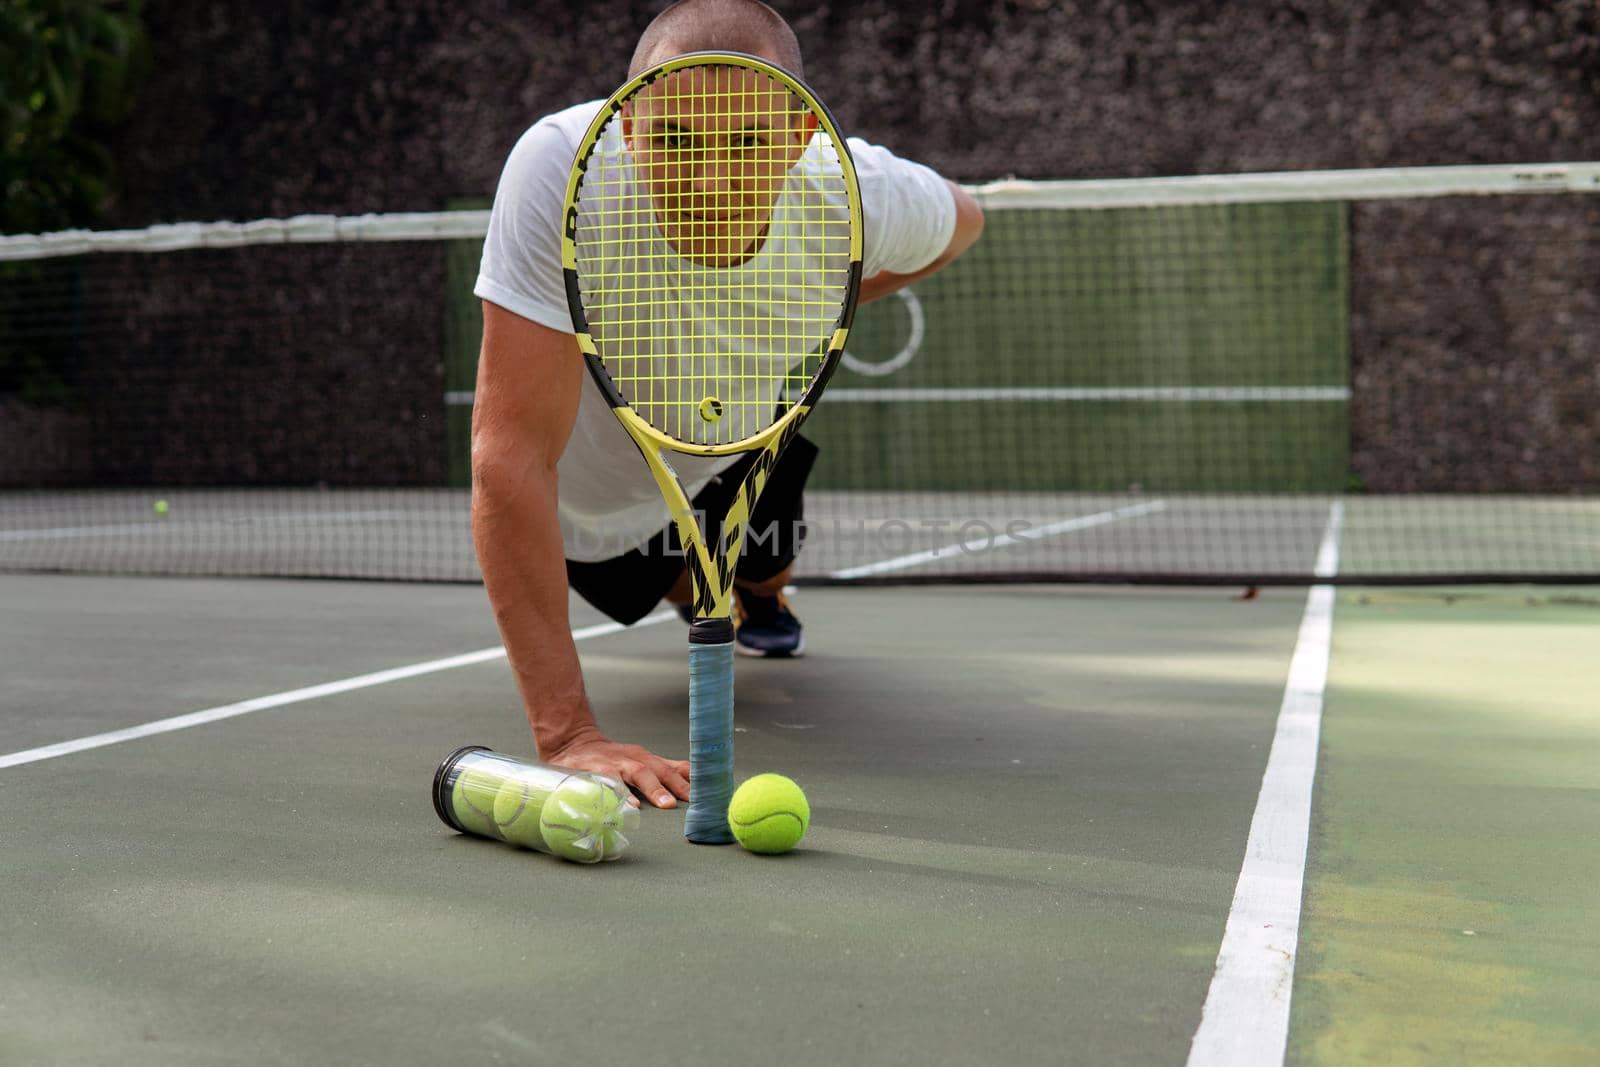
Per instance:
(969,226)
(526,401)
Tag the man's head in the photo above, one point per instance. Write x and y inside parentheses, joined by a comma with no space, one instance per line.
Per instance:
(715,144)
(721,26)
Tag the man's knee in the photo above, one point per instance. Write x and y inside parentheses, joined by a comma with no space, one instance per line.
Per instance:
(682,590)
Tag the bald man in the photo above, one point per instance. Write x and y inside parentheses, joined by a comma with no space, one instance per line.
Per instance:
(556,478)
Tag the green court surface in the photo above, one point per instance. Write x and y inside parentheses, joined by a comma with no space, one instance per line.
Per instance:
(1030,809)
(1451,910)
(1238,296)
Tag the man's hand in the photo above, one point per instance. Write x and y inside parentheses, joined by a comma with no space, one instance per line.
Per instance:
(662,782)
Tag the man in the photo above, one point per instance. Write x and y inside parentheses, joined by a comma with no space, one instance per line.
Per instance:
(556,477)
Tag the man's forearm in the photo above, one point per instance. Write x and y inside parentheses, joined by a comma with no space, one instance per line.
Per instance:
(883,283)
(518,539)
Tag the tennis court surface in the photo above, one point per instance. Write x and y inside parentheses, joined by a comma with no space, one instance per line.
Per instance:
(1031,806)
(1201,617)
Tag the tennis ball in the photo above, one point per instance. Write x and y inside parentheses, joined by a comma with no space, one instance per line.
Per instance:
(159,507)
(472,799)
(586,821)
(769,814)
(517,807)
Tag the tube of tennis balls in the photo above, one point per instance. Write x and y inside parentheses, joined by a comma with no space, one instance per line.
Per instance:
(577,815)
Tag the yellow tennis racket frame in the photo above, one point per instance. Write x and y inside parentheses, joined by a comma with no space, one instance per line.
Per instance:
(710,567)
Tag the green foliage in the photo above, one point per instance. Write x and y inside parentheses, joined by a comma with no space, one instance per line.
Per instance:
(69,71)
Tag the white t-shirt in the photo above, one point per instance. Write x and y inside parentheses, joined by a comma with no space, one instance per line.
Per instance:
(608,501)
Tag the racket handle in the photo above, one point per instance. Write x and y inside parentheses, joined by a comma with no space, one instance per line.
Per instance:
(710,732)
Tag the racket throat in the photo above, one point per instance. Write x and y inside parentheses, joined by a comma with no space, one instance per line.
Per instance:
(711,576)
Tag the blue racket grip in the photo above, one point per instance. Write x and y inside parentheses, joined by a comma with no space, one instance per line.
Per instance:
(710,732)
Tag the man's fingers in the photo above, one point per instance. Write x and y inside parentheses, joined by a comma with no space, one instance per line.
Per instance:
(645,781)
(675,779)
(661,782)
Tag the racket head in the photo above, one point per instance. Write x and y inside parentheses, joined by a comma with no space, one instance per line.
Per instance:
(712,251)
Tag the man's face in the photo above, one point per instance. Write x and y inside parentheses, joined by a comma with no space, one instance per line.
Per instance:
(713,145)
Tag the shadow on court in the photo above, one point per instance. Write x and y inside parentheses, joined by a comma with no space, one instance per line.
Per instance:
(1029,808)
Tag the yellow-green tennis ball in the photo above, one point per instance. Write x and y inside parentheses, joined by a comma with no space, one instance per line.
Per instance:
(769,814)
(585,821)
(472,798)
(517,807)
(159,507)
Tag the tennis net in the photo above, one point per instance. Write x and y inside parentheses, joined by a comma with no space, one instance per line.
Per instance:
(1360,376)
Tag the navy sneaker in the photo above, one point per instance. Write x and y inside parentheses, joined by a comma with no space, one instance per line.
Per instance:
(764,626)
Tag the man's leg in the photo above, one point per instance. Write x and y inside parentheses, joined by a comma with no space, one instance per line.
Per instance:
(681,592)
(767,587)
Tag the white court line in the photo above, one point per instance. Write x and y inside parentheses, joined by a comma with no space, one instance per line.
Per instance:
(984,544)
(1151,394)
(1245,1022)
(293,696)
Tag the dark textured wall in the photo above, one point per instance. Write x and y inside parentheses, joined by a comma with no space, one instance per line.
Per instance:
(1475,345)
(393,105)
(1470,372)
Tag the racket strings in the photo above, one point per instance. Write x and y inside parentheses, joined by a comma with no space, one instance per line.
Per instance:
(713,247)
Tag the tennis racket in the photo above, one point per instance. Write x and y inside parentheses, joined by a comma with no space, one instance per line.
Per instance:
(712,254)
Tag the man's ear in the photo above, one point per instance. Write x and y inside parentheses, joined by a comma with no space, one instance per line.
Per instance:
(802,136)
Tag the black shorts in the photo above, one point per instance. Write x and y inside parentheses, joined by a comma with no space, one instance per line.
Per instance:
(627,587)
